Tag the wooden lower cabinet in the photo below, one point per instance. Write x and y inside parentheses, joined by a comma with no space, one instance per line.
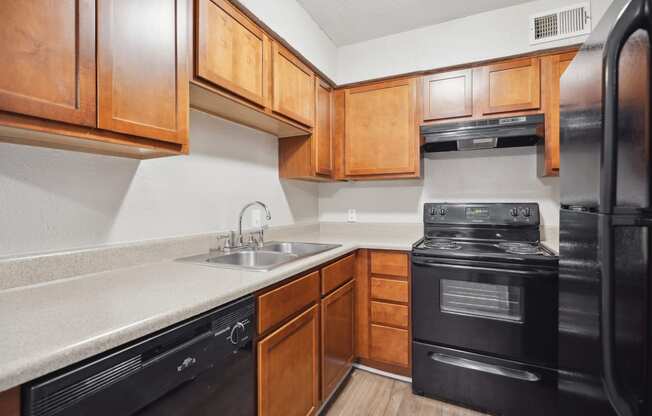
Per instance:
(337,337)
(389,345)
(383,310)
(10,402)
(288,368)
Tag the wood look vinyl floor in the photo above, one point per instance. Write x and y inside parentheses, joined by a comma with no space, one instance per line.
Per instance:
(367,394)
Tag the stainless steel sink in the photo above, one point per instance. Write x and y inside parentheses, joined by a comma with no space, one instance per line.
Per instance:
(300,249)
(271,255)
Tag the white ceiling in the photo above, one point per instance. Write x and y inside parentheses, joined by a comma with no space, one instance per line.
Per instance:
(351,21)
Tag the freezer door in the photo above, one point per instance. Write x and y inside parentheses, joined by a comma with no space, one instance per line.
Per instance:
(605,113)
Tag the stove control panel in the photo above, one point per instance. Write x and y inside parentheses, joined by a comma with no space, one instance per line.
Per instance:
(482,213)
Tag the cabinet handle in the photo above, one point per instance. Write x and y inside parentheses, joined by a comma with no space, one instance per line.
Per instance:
(484,367)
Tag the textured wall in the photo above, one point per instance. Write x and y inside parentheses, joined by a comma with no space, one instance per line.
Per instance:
(54,200)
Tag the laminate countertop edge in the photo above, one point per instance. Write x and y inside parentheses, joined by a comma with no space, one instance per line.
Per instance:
(49,326)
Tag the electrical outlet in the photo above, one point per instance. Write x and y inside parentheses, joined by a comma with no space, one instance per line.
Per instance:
(256,218)
(353,216)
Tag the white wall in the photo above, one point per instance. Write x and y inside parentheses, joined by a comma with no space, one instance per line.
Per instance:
(493,34)
(293,23)
(55,200)
(497,175)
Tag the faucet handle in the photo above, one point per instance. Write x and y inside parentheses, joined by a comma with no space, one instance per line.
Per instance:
(221,241)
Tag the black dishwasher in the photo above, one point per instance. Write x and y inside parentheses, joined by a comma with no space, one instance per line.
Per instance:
(204,366)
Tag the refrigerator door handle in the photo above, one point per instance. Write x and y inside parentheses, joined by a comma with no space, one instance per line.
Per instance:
(633,17)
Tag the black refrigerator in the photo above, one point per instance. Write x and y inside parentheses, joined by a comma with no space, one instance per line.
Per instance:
(605,360)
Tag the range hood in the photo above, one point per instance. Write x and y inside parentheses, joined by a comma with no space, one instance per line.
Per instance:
(483,134)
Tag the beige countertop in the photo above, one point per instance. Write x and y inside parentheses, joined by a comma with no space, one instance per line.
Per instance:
(48,326)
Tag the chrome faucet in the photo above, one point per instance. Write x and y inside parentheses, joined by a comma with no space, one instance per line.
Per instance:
(268,217)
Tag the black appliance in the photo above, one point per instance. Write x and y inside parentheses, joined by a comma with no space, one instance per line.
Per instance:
(204,366)
(484,134)
(484,309)
(605,358)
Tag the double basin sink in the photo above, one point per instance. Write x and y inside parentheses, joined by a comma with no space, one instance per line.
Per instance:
(265,258)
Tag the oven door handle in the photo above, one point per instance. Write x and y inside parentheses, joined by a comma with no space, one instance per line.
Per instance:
(435,263)
(485,368)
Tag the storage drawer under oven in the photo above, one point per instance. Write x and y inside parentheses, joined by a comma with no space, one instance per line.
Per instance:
(488,384)
(511,313)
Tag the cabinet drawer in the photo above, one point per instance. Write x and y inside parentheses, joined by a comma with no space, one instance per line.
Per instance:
(281,303)
(389,314)
(389,263)
(334,275)
(389,345)
(388,289)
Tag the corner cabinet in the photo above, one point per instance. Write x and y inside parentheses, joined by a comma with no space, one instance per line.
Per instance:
(86,76)
(311,157)
(380,135)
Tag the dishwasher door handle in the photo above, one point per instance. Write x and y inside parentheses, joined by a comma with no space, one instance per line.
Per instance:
(485,368)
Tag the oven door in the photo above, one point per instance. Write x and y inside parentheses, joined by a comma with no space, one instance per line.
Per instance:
(486,308)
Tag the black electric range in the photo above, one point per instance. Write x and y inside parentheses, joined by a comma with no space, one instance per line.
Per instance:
(484,308)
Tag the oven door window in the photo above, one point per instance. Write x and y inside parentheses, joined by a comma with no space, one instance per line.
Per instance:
(482,300)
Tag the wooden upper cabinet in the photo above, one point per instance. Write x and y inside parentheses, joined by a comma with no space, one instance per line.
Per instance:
(231,51)
(293,87)
(337,337)
(510,86)
(288,368)
(448,95)
(381,135)
(323,132)
(48,59)
(142,65)
(552,68)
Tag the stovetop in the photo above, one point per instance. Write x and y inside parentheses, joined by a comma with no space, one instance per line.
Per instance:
(499,232)
(509,251)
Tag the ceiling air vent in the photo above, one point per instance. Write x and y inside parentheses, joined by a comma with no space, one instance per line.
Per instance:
(562,23)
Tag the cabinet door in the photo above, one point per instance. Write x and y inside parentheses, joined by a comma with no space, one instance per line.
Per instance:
(288,363)
(381,133)
(142,68)
(323,130)
(448,95)
(337,337)
(293,87)
(231,50)
(48,59)
(510,86)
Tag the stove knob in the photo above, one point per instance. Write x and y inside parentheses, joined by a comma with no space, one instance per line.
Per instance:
(525,212)
(237,333)
(442,211)
(433,211)
(513,212)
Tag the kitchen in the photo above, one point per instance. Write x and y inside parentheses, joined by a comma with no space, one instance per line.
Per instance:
(268,208)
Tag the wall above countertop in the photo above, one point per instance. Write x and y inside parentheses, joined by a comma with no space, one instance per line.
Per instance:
(57,200)
(496,175)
